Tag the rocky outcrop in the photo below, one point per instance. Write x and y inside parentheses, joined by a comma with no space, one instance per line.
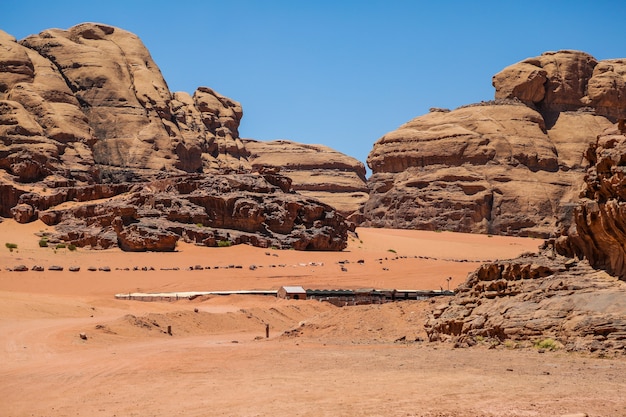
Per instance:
(508,166)
(89,104)
(316,171)
(93,142)
(566,81)
(207,210)
(596,230)
(532,299)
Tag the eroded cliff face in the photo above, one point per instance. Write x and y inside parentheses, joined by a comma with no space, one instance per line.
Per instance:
(316,171)
(85,115)
(509,166)
(526,301)
(597,230)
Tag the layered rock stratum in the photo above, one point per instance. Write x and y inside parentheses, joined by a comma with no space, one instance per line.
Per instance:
(94,142)
(316,171)
(544,299)
(508,166)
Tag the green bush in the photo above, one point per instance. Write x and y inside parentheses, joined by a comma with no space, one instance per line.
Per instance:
(71,247)
(11,246)
(547,344)
(43,242)
(224,243)
(60,246)
(391,250)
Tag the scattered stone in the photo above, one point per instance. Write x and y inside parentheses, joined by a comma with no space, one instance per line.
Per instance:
(74,268)
(55,268)
(23,213)
(92,269)
(38,268)
(104,269)
(252,267)
(83,336)
(20,268)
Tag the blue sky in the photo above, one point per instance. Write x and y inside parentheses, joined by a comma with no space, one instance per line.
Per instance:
(339,73)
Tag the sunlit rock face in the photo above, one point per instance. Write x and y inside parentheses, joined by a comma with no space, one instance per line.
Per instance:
(507,166)
(93,142)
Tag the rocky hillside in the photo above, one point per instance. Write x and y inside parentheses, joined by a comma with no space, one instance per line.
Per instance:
(316,171)
(508,166)
(544,300)
(93,141)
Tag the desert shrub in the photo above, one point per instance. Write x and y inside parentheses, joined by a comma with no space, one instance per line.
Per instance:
(224,243)
(509,344)
(71,247)
(392,250)
(43,242)
(547,344)
(199,225)
(60,246)
(11,246)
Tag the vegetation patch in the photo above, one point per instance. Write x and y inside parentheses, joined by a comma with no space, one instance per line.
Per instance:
(11,246)
(547,344)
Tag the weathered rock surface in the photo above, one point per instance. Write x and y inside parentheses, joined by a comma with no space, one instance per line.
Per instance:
(566,80)
(508,166)
(316,171)
(89,103)
(93,142)
(597,228)
(534,298)
(202,209)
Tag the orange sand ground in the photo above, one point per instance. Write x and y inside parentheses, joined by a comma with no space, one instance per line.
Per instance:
(319,359)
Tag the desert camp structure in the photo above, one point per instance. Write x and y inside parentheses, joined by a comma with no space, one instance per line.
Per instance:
(292,293)
(337,297)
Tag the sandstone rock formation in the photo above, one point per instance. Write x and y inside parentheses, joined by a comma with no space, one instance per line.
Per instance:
(597,227)
(533,298)
(201,209)
(316,171)
(509,166)
(85,115)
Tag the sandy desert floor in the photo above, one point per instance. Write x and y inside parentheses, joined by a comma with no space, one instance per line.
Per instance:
(320,360)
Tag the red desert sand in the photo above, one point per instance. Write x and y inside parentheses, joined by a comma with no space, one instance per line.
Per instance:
(69,348)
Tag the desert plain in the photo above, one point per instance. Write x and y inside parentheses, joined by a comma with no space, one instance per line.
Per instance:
(68,347)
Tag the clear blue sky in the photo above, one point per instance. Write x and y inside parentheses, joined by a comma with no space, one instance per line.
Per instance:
(339,73)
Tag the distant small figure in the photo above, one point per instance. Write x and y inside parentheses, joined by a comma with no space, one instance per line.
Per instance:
(267,330)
